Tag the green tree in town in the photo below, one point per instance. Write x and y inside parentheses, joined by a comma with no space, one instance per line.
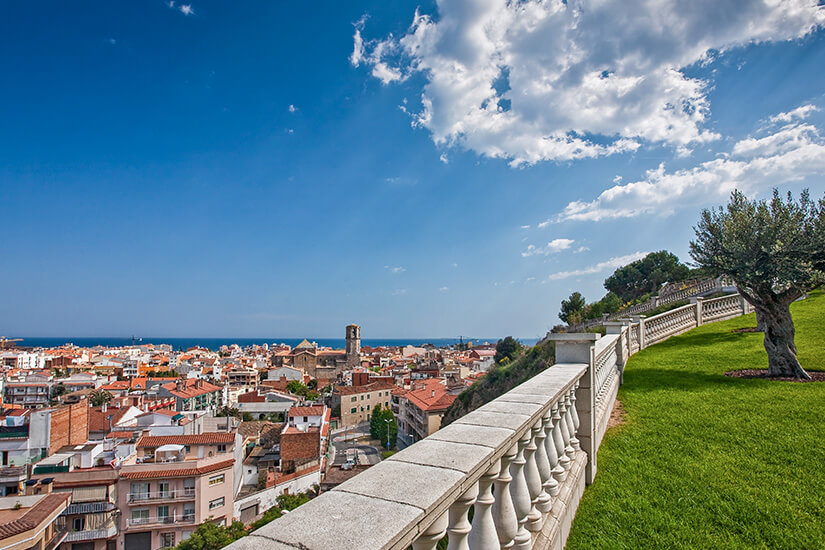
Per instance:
(774,250)
(383,426)
(507,347)
(572,309)
(99,397)
(645,276)
(210,536)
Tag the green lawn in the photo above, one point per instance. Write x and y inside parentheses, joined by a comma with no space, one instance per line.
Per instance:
(707,461)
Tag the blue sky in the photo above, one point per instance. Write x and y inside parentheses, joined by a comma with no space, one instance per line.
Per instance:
(258,169)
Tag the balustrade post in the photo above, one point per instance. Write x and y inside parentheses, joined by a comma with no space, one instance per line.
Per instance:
(551,484)
(543,464)
(580,348)
(428,539)
(641,320)
(521,495)
(533,477)
(504,513)
(459,525)
(560,471)
(483,534)
(699,310)
(575,444)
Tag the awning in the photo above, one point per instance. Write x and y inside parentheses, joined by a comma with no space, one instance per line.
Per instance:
(169,448)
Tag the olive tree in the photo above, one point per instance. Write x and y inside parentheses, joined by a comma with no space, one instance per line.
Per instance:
(774,250)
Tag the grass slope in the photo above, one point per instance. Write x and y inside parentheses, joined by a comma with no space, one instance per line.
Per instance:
(708,461)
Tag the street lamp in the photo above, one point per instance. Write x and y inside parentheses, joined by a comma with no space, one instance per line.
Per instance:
(388,420)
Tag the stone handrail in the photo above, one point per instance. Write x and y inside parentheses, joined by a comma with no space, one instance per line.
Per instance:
(537,445)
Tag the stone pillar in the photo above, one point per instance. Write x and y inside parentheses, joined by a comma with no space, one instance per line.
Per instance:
(641,320)
(580,348)
(697,301)
(743,304)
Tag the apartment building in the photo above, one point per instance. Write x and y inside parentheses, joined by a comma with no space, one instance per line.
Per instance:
(27,395)
(90,519)
(358,402)
(30,521)
(193,395)
(172,485)
(422,408)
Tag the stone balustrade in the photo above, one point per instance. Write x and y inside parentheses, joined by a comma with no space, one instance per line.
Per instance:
(521,462)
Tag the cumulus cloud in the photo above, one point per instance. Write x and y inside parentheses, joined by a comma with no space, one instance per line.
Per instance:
(395,270)
(292,108)
(443,158)
(612,263)
(561,80)
(800,113)
(186,9)
(556,245)
(791,153)
(444,289)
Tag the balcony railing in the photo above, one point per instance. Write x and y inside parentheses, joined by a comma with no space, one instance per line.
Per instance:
(537,445)
(161,520)
(177,494)
(92,534)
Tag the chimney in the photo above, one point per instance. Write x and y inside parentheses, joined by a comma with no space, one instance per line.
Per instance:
(46,485)
(30,486)
(433,394)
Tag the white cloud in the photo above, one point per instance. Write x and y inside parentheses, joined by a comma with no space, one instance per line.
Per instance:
(581,249)
(292,108)
(525,227)
(792,153)
(612,263)
(399,292)
(551,80)
(186,9)
(443,158)
(800,113)
(395,270)
(444,289)
(556,245)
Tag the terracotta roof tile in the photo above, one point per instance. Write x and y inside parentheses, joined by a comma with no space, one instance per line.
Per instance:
(209,438)
(182,472)
(35,515)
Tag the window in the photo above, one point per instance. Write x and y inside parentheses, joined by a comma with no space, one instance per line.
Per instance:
(353,399)
(217,503)
(167,540)
(163,513)
(368,407)
(362,398)
(140,516)
(216,480)
(163,489)
(353,410)
(306,419)
(221,448)
(78,524)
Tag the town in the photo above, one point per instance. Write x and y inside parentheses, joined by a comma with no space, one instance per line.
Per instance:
(134,447)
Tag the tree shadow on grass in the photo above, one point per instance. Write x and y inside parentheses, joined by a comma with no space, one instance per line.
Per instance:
(692,339)
(658,379)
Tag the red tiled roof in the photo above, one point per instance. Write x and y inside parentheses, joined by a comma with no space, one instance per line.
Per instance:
(190,388)
(34,516)
(99,420)
(432,397)
(182,472)
(209,438)
(372,386)
(314,410)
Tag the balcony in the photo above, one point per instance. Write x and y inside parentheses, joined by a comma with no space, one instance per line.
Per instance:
(161,520)
(92,534)
(171,496)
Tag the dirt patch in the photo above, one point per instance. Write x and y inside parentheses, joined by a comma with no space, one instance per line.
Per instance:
(762,373)
(747,329)
(618,416)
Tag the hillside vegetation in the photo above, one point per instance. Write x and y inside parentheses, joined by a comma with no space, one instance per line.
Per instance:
(501,379)
(709,461)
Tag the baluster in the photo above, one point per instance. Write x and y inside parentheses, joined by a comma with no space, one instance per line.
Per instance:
(576,421)
(533,477)
(543,464)
(567,450)
(521,494)
(428,540)
(571,426)
(560,471)
(504,513)
(551,486)
(483,534)
(459,525)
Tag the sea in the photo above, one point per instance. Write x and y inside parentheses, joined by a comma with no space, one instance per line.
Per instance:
(216,343)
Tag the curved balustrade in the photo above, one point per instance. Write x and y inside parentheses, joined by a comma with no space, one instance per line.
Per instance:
(521,462)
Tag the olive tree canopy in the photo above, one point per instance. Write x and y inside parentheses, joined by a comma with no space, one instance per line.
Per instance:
(774,250)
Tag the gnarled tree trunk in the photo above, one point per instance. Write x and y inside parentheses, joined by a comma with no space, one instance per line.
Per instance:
(760,321)
(779,339)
